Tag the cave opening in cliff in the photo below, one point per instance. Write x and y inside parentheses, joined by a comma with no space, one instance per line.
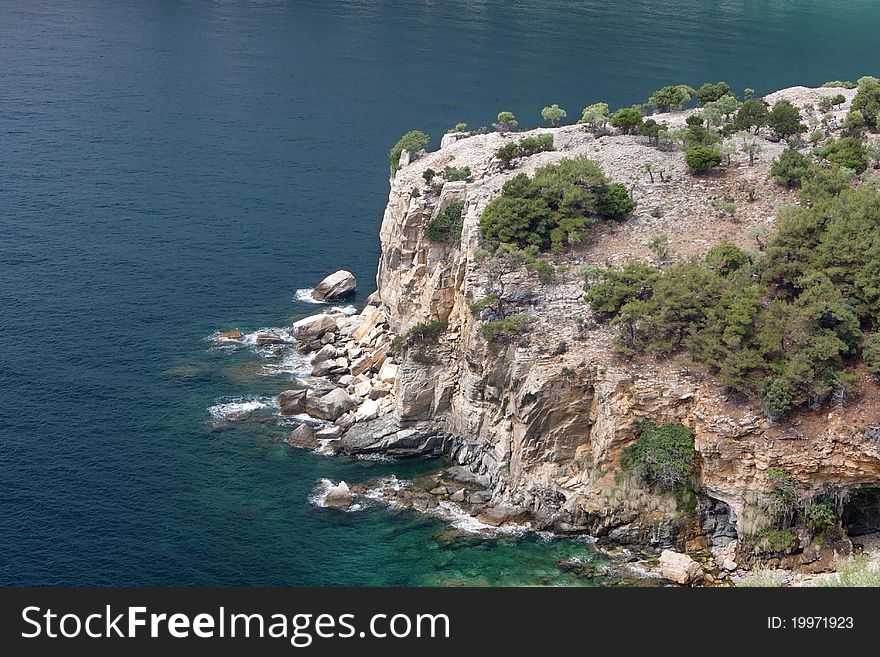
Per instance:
(861,512)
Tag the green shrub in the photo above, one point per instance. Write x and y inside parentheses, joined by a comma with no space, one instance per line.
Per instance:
(428,175)
(752,113)
(785,119)
(867,100)
(545,270)
(459,127)
(839,84)
(553,114)
(701,159)
(446,227)
(821,514)
(627,119)
(537,144)
(487,301)
(525,147)
(504,330)
(596,115)
(454,174)
(784,493)
(426,333)
(777,397)
(709,93)
(673,97)
(871,354)
(505,122)
(554,207)
(772,540)
(413,141)
(424,358)
(726,258)
(661,456)
(846,152)
(791,167)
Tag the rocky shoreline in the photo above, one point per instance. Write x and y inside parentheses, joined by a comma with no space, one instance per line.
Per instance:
(533,430)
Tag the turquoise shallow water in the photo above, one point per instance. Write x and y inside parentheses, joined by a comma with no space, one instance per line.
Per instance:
(168,168)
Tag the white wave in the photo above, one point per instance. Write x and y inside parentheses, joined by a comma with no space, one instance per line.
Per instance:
(324,448)
(319,496)
(250,339)
(385,485)
(236,408)
(383,458)
(462,520)
(305,295)
(302,418)
(292,362)
(346,310)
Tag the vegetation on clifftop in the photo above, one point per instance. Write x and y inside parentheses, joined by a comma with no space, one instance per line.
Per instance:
(552,209)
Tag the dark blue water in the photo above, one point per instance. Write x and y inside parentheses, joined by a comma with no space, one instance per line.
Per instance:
(168,168)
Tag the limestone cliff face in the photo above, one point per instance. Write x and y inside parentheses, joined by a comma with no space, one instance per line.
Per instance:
(544,420)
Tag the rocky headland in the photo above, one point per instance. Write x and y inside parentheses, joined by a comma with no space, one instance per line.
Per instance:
(533,429)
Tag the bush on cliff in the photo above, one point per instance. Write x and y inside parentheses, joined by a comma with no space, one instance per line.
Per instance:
(791,167)
(709,93)
(553,114)
(702,159)
(504,330)
(782,326)
(446,226)
(785,119)
(413,141)
(661,456)
(555,207)
(846,152)
(525,147)
(867,101)
(671,98)
(751,114)
(871,354)
(627,119)
(455,174)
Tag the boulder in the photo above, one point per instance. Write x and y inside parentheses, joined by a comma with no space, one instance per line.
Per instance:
(331,406)
(725,556)
(314,326)
(328,433)
(234,334)
(303,436)
(369,410)
(336,285)
(268,338)
(291,402)
(373,316)
(388,372)
(327,352)
(679,568)
(339,497)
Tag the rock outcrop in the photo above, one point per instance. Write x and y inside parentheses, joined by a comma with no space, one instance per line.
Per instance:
(336,285)
(541,422)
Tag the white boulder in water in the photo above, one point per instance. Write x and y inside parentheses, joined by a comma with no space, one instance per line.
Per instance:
(339,497)
(336,285)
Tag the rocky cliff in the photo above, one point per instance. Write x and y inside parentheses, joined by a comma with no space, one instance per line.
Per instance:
(540,423)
